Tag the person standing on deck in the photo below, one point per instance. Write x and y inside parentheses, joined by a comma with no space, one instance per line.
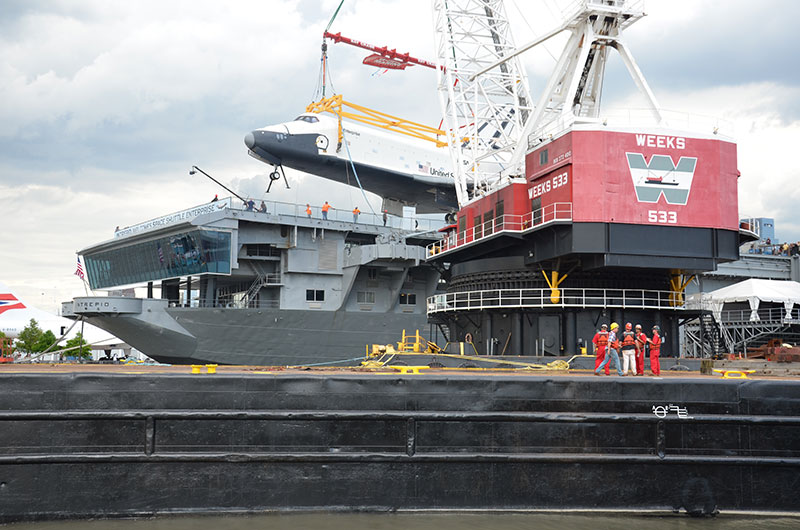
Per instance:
(356,211)
(325,208)
(628,350)
(600,342)
(308,210)
(655,351)
(385,216)
(641,342)
(611,351)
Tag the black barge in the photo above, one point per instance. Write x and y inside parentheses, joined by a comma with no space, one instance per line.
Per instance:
(111,444)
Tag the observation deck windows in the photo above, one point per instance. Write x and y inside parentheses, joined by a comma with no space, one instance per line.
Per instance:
(182,254)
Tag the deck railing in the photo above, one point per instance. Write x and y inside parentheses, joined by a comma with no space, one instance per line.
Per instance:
(744,317)
(344,215)
(516,224)
(540,299)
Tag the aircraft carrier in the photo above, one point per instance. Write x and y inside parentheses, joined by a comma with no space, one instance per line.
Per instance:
(279,287)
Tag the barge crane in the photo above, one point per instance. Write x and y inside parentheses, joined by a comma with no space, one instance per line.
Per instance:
(576,217)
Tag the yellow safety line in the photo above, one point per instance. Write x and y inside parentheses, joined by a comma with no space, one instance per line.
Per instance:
(555,365)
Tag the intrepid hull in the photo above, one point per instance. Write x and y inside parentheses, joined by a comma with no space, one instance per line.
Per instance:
(272,337)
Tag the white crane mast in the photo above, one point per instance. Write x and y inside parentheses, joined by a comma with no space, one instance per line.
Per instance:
(484,93)
(574,89)
(484,115)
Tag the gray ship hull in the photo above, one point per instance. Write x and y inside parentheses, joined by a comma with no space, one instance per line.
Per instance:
(271,337)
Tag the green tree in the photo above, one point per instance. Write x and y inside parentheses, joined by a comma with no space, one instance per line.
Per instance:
(47,340)
(29,338)
(81,348)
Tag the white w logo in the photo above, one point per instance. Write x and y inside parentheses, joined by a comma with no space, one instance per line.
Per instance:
(661,177)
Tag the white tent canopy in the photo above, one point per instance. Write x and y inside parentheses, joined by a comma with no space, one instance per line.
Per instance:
(754,291)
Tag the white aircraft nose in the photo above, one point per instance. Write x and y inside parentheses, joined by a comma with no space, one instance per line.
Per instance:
(249,140)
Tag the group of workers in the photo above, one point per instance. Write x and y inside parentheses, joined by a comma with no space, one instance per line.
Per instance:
(356,212)
(632,344)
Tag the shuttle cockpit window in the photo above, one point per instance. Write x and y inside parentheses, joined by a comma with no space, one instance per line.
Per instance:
(308,119)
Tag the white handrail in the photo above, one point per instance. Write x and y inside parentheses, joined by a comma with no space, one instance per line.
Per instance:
(540,298)
(517,224)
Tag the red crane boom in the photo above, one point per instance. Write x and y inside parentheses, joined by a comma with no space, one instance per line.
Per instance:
(383,56)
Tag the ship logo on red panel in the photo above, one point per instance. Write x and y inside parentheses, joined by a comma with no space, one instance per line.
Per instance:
(9,301)
(661,177)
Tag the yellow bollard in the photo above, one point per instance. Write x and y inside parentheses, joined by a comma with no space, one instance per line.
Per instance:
(734,374)
(196,368)
(212,368)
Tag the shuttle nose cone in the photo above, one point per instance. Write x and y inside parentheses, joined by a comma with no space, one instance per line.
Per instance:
(249,140)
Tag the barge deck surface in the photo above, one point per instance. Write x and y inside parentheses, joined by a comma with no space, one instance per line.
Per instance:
(761,370)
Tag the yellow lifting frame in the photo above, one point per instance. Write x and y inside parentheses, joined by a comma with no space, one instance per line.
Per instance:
(338,106)
(678,283)
(555,292)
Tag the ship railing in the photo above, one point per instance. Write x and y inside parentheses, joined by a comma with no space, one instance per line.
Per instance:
(571,9)
(238,304)
(272,278)
(633,117)
(558,212)
(540,298)
(341,215)
(745,317)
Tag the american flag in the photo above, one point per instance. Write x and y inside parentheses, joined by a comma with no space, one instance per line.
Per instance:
(79,270)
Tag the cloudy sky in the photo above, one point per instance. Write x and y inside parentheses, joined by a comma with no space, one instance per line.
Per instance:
(104,106)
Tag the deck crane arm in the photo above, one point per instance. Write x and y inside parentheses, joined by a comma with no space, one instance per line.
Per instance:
(485,112)
(488,102)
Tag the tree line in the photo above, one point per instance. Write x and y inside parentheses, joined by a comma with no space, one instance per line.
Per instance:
(33,339)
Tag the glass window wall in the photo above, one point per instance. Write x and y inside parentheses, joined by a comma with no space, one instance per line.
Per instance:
(184,254)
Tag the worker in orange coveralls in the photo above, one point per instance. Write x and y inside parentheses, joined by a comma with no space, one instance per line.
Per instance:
(641,342)
(600,342)
(655,351)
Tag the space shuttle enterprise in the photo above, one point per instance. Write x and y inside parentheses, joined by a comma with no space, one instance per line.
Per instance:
(405,170)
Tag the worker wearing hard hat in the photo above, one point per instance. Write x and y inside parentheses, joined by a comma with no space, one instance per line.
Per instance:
(600,342)
(655,351)
(628,350)
(611,351)
(641,342)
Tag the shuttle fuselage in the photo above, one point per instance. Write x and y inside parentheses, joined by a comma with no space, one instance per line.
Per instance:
(401,169)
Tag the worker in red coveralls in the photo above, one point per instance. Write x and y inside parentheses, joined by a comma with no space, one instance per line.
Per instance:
(600,342)
(641,342)
(655,351)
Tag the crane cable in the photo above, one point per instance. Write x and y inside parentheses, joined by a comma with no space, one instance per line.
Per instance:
(322,80)
(350,159)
